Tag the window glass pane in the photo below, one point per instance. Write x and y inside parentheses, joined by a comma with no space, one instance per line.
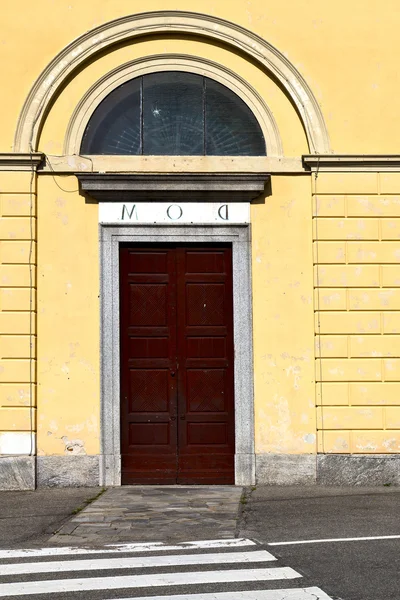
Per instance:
(173,119)
(231,128)
(114,127)
(178,114)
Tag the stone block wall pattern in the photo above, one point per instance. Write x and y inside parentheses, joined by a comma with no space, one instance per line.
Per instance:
(17,328)
(357,321)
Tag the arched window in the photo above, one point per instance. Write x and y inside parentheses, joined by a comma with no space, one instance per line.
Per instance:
(173,113)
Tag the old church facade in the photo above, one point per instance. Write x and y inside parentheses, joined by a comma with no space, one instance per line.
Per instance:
(199,244)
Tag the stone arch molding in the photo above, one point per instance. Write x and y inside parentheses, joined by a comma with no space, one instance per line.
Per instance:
(170,62)
(123,29)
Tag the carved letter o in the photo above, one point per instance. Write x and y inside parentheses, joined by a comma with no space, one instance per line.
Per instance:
(179,214)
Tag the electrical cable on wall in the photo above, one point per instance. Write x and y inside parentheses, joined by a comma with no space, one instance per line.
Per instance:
(31,242)
(31,294)
(318,310)
(32,287)
(53,173)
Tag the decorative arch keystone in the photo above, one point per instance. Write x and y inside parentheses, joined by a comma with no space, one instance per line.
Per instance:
(133,26)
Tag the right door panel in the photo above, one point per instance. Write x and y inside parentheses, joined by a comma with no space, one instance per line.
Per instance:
(205,374)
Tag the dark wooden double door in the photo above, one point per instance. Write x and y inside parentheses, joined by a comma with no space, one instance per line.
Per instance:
(177,392)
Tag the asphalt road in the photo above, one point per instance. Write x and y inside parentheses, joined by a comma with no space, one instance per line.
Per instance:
(215,570)
(346,570)
(31,517)
(272,517)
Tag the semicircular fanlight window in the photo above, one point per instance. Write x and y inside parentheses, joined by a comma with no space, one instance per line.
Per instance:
(173,113)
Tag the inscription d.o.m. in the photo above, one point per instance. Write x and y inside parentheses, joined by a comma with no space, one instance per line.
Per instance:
(183,213)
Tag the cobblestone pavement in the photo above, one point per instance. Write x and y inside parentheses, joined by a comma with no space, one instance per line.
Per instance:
(155,513)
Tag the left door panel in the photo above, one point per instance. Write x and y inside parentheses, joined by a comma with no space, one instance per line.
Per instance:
(148,366)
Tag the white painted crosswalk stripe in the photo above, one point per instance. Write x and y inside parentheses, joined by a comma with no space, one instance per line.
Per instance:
(227,566)
(135,563)
(333,540)
(126,548)
(311,593)
(27,588)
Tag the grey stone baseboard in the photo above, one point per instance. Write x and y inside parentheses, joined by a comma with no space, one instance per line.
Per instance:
(67,471)
(17,472)
(27,472)
(286,469)
(358,469)
(328,469)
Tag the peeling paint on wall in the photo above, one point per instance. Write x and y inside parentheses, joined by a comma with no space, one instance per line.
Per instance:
(73,446)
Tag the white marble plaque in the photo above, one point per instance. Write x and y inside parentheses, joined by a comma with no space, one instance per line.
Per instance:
(184,213)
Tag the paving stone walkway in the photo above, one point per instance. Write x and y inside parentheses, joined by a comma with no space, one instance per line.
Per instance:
(155,513)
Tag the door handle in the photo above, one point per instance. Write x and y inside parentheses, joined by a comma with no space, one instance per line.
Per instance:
(172,373)
(172,418)
(183,417)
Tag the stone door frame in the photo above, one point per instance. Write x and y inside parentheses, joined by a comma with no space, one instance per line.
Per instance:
(111,237)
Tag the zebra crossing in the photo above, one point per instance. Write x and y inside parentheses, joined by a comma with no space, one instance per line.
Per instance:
(236,569)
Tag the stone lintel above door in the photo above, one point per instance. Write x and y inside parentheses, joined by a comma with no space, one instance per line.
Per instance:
(189,187)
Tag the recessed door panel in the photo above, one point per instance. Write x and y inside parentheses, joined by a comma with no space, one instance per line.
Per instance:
(177,403)
(148,357)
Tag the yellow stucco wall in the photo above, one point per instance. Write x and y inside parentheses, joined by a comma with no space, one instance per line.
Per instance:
(350,63)
(68,320)
(341,396)
(283,319)
(17,312)
(68,290)
(357,298)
